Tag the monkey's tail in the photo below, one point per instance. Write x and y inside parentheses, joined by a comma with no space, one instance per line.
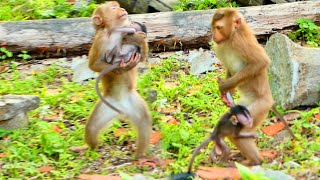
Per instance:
(197,151)
(104,72)
(274,109)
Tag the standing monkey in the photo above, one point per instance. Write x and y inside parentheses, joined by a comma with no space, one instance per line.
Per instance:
(118,85)
(246,63)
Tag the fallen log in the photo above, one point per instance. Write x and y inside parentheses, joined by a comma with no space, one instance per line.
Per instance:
(167,31)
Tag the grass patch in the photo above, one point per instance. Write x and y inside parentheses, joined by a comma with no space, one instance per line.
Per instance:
(65,105)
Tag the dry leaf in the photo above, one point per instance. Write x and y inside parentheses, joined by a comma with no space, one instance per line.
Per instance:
(56,128)
(53,91)
(168,110)
(169,120)
(291,116)
(170,84)
(317,116)
(120,132)
(270,154)
(2,155)
(273,129)
(3,69)
(78,149)
(50,118)
(45,169)
(98,177)
(155,137)
(214,173)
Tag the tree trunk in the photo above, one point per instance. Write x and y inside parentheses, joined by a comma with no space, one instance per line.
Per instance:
(167,31)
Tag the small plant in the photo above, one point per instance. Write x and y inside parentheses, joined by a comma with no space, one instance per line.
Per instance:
(187,5)
(24,55)
(43,9)
(5,53)
(307,32)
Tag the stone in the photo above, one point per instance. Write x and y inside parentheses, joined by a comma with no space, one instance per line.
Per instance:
(294,73)
(251,2)
(202,61)
(163,5)
(14,108)
(81,70)
(135,6)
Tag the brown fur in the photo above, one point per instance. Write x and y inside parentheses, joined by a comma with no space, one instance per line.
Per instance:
(119,85)
(246,63)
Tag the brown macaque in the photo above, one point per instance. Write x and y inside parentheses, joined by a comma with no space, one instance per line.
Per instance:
(246,63)
(127,50)
(119,84)
(225,127)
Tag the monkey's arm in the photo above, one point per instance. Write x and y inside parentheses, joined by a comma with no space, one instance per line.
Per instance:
(255,63)
(139,39)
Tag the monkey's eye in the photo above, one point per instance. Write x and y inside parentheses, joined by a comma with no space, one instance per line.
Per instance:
(113,7)
(218,27)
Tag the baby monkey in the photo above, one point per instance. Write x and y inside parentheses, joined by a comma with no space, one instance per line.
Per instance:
(129,45)
(226,127)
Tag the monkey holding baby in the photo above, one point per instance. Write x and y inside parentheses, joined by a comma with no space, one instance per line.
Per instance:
(246,63)
(117,48)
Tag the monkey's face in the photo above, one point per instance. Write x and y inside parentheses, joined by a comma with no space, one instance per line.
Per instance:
(110,15)
(224,24)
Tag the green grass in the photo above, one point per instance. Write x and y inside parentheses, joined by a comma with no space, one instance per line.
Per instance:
(67,105)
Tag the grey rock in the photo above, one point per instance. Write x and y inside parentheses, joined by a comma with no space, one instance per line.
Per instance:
(163,5)
(251,2)
(135,6)
(201,61)
(14,108)
(81,70)
(274,175)
(291,164)
(154,60)
(294,72)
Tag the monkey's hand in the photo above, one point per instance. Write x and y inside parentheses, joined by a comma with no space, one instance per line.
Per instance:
(224,99)
(226,86)
(142,34)
(134,60)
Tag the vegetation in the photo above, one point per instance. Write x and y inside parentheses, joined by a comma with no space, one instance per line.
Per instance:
(188,5)
(308,32)
(185,112)
(18,10)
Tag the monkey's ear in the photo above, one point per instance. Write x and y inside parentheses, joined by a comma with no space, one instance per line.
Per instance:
(237,22)
(97,20)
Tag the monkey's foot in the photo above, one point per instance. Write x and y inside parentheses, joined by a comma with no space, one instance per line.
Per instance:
(250,163)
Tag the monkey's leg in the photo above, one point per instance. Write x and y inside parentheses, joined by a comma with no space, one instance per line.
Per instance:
(225,150)
(137,111)
(98,119)
(259,110)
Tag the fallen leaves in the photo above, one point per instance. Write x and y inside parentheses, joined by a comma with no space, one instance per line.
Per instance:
(155,137)
(98,177)
(169,120)
(2,155)
(317,116)
(120,132)
(273,129)
(270,154)
(3,69)
(168,110)
(214,173)
(56,128)
(45,169)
